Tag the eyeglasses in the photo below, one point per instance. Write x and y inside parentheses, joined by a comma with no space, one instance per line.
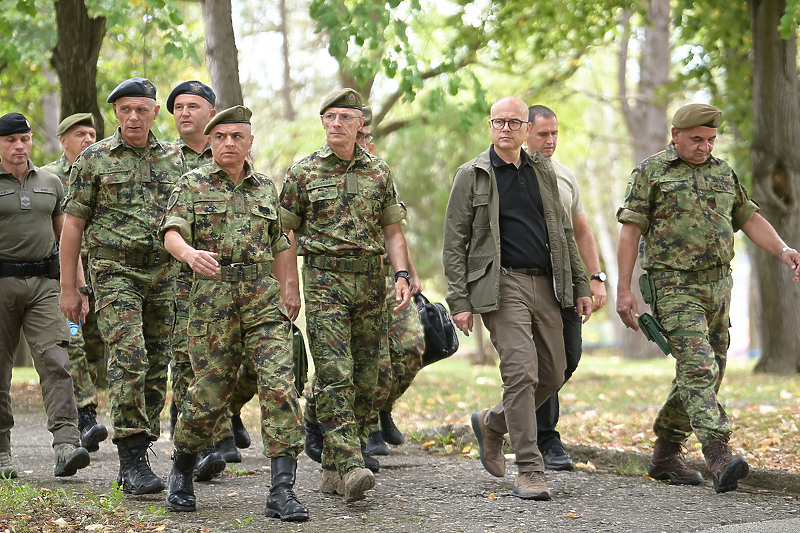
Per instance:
(330,117)
(362,137)
(513,124)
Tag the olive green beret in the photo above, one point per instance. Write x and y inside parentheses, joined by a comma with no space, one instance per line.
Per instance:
(342,98)
(235,114)
(693,115)
(84,119)
(366,111)
(133,87)
(194,87)
(12,123)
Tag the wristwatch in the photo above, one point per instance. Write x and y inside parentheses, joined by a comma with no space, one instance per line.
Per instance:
(600,276)
(403,274)
(86,289)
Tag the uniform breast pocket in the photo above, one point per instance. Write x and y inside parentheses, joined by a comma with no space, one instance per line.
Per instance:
(261,217)
(720,196)
(480,208)
(210,219)
(45,197)
(677,196)
(324,201)
(117,187)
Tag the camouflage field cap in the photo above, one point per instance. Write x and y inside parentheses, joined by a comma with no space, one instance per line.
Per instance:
(693,115)
(235,114)
(133,87)
(12,123)
(83,119)
(342,98)
(367,112)
(194,87)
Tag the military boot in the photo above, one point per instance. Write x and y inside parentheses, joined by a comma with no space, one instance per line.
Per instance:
(313,440)
(282,502)
(92,433)
(375,444)
(370,462)
(357,481)
(7,470)
(332,482)
(135,475)
(180,488)
(240,435)
(389,431)
(209,464)
(669,464)
(69,458)
(227,449)
(726,469)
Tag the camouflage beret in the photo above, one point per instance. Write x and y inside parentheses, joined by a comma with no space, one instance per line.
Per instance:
(342,98)
(367,112)
(133,87)
(693,115)
(236,114)
(84,119)
(12,123)
(191,87)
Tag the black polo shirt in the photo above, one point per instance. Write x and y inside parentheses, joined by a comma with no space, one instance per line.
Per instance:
(523,231)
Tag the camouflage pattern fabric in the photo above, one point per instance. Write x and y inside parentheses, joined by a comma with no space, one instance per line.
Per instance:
(60,167)
(688,217)
(345,332)
(121,192)
(234,322)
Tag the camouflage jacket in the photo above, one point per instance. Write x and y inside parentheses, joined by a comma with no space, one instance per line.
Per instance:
(60,167)
(242,223)
(687,215)
(191,159)
(122,191)
(337,207)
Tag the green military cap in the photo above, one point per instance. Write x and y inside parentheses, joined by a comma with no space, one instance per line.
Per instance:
(13,123)
(342,98)
(693,115)
(84,119)
(235,114)
(133,87)
(367,112)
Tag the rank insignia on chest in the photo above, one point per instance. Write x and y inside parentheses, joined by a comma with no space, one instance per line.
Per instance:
(24,202)
(351,184)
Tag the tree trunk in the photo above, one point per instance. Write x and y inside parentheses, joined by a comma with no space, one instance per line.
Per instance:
(288,86)
(222,56)
(776,183)
(646,120)
(74,59)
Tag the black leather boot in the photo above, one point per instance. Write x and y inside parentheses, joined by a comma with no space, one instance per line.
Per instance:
(173,418)
(313,440)
(282,502)
(240,435)
(389,431)
(92,433)
(209,464)
(180,488)
(135,475)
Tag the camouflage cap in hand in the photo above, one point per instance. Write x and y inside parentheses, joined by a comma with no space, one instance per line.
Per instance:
(141,87)
(342,98)
(693,115)
(235,114)
(83,119)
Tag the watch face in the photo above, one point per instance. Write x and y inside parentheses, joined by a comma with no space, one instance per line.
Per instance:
(601,276)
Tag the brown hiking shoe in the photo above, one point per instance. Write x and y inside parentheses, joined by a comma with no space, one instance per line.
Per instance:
(726,469)
(669,464)
(490,444)
(531,486)
(332,482)
(357,481)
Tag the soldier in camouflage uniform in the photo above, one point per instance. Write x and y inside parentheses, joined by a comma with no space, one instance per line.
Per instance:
(342,205)
(192,104)
(118,193)
(686,205)
(86,348)
(223,221)
(32,219)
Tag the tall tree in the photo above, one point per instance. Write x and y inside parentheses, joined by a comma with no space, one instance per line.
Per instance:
(222,55)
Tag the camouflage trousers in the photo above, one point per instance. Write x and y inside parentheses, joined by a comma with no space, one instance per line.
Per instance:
(406,345)
(87,354)
(136,315)
(696,319)
(230,323)
(346,325)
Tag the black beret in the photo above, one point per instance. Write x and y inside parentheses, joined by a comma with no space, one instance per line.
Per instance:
(191,87)
(12,123)
(693,115)
(236,114)
(133,87)
(342,98)
(367,112)
(84,119)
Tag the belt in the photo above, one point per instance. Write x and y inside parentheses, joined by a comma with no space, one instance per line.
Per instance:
(679,277)
(343,264)
(240,272)
(132,258)
(527,271)
(23,269)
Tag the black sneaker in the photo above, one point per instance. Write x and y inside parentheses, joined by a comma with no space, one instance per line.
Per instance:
(556,458)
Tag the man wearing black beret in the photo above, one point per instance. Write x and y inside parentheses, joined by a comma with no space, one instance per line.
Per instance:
(30,210)
(118,193)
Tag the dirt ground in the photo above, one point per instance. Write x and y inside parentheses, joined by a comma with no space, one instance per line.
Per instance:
(420,491)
